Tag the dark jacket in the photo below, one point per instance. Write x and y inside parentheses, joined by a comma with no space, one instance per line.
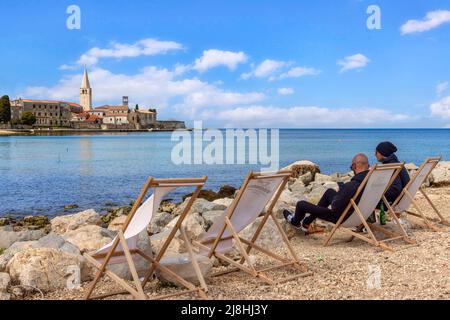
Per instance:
(400,182)
(346,192)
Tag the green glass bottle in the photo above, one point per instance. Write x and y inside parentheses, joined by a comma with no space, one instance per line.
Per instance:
(382,215)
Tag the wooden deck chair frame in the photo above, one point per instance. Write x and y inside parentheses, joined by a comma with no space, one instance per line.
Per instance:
(419,213)
(245,246)
(155,263)
(372,227)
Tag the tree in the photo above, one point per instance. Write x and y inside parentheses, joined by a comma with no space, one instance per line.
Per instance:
(28,119)
(5,109)
(137,107)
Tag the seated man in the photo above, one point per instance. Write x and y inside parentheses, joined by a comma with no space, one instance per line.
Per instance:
(337,200)
(385,153)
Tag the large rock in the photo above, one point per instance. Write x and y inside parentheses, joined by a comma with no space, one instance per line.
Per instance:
(5,280)
(159,221)
(341,177)
(117,223)
(322,178)
(411,167)
(55,241)
(45,268)
(8,236)
(11,251)
(52,240)
(141,264)
(440,176)
(211,216)
(209,195)
(298,188)
(182,265)
(226,191)
(175,247)
(306,179)
(222,204)
(269,237)
(199,205)
(302,167)
(318,190)
(89,238)
(62,224)
(193,224)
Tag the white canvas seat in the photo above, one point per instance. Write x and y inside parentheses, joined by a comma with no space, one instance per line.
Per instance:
(255,194)
(370,193)
(123,249)
(406,198)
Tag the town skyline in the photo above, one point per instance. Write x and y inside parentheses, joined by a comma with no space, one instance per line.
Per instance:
(284,67)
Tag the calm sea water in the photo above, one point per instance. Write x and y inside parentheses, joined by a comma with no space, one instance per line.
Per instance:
(42,174)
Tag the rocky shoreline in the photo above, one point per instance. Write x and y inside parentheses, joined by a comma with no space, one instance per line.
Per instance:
(40,256)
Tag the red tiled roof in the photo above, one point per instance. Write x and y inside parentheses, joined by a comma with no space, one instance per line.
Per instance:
(112,108)
(92,118)
(72,104)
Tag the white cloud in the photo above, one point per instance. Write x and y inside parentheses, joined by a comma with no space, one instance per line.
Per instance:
(441,108)
(356,61)
(145,47)
(432,20)
(66,67)
(264,69)
(309,116)
(152,86)
(214,58)
(441,88)
(297,72)
(285,91)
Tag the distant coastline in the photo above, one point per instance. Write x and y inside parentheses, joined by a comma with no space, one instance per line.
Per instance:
(39,131)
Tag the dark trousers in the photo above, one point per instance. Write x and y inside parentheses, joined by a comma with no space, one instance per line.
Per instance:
(320,210)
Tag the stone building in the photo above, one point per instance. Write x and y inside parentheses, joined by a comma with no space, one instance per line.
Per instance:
(48,113)
(86,93)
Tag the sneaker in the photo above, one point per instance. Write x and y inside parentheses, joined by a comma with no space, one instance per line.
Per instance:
(289,216)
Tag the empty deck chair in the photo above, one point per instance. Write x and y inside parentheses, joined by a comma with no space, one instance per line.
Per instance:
(370,193)
(406,198)
(123,249)
(223,236)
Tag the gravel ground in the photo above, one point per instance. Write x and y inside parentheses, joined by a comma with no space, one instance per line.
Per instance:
(341,271)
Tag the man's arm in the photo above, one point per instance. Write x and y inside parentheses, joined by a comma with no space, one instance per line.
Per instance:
(342,199)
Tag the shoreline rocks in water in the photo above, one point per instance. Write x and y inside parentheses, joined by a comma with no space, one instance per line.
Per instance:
(33,248)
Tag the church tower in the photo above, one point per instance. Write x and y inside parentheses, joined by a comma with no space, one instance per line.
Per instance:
(86,93)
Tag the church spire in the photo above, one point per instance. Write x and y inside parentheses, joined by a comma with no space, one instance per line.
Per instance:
(86,92)
(85,83)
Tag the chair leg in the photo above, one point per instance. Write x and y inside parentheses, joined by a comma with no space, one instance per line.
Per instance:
(422,215)
(194,261)
(442,219)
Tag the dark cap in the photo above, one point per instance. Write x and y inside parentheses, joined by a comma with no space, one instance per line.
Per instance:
(386,148)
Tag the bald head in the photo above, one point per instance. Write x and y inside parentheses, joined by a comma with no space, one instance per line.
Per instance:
(360,163)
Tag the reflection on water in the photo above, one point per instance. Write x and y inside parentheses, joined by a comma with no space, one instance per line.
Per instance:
(86,157)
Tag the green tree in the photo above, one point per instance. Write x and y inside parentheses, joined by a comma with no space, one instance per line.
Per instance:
(137,107)
(5,109)
(28,118)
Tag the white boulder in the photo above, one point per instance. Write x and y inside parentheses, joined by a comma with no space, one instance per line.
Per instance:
(62,224)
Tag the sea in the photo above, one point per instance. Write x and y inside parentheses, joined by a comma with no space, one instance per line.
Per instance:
(40,175)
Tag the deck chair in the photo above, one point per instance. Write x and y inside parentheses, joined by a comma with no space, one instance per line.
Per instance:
(223,236)
(123,249)
(406,198)
(370,193)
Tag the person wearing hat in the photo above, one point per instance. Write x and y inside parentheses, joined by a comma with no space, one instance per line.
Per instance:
(385,153)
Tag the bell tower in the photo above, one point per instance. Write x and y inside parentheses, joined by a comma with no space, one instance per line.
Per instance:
(86,92)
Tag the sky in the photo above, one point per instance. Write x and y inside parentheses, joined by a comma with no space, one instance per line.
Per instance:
(253,63)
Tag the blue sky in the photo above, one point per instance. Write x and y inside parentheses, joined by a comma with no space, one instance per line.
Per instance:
(239,63)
